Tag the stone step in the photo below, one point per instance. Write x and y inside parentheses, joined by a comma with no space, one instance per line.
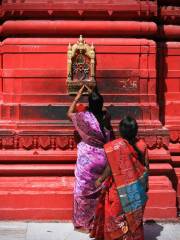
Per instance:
(62,214)
(162,199)
(157,182)
(177,171)
(54,168)
(37,198)
(36,169)
(160,155)
(160,168)
(176,161)
(35,156)
(174,148)
(51,198)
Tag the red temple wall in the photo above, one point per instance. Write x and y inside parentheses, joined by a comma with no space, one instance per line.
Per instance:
(137,71)
(47,77)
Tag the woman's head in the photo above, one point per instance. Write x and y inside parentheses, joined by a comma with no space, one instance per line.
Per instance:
(95,102)
(128,128)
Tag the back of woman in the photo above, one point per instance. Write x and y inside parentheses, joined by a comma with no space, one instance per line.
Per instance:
(91,161)
(125,195)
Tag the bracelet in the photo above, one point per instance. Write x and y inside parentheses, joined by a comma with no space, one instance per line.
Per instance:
(100,179)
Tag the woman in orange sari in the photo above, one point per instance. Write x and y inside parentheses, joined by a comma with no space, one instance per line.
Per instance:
(119,213)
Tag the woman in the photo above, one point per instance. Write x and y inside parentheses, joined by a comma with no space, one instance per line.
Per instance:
(119,213)
(91,157)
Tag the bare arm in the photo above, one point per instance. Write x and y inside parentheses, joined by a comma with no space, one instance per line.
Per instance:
(89,89)
(146,160)
(71,109)
(105,174)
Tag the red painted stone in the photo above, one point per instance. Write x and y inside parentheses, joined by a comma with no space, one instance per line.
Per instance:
(81,9)
(33,100)
(156,168)
(36,198)
(162,199)
(60,28)
(37,169)
(137,71)
(43,198)
(171,55)
(177,171)
(170,14)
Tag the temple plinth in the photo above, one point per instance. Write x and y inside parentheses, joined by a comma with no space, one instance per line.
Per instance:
(137,47)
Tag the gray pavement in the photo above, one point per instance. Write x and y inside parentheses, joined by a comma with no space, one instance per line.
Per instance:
(64,231)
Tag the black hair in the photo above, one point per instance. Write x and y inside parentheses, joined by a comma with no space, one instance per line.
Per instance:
(95,103)
(128,129)
(95,106)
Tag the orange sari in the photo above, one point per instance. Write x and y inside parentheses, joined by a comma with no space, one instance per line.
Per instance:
(119,213)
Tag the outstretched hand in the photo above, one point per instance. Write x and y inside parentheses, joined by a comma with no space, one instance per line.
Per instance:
(71,109)
(89,89)
(79,94)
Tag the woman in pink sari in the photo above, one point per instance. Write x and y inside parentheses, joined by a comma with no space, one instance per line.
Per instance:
(119,212)
(91,158)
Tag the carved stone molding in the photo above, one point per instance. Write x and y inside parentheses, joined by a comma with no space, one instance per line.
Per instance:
(79,8)
(54,140)
(30,142)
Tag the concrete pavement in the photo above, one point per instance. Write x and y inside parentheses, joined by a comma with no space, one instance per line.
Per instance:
(64,231)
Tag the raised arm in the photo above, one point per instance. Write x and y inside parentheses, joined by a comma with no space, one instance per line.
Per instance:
(88,89)
(71,109)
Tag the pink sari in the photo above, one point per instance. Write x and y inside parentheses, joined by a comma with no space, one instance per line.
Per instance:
(91,161)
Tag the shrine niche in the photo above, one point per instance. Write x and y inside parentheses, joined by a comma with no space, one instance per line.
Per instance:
(80,66)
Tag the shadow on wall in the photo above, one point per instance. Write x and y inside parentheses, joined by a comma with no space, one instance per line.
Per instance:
(152,230)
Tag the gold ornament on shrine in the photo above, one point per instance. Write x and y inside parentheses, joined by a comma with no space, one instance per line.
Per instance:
(80,66)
